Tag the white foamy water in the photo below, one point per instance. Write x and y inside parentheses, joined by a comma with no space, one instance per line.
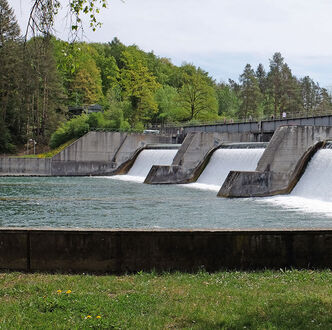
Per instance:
(143,163)
(222,162)
(313,193)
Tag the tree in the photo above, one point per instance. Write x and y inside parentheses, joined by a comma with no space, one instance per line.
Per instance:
(325,102)
(310,93)
(283,87)
(139,86)
(261,78)
(11,122)
(77,64)
(168,106)
(228,101)
(108,68)
(250,94)
(44,96)
(43,13)
(198,98)
(275,81)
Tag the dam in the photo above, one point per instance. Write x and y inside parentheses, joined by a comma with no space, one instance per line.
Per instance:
(99,220)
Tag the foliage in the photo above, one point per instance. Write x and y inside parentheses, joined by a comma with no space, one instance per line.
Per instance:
(197,97)
(139,86)
(228,101)
(136,89)
(250,94)
(76,127)
(10,82)
(72,129)
(43,13)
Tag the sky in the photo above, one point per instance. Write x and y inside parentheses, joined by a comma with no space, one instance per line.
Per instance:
(220,36)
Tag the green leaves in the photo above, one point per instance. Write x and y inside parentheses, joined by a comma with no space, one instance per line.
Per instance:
(90,8)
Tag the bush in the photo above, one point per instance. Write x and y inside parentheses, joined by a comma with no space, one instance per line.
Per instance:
(78,126)
(72,129)
(125,126)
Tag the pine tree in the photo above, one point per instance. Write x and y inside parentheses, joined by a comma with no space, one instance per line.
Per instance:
(10,82)
(250,94)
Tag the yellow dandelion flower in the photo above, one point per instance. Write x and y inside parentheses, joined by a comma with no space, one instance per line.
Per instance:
(68,291)
(59,291)
(88,317)
(98,317)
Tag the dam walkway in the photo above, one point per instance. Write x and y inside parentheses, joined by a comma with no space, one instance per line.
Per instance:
(263,129)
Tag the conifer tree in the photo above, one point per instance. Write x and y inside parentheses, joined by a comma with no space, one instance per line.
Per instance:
(250,94)
(11,122)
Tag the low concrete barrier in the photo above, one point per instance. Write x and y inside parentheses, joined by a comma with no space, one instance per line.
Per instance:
(121,251)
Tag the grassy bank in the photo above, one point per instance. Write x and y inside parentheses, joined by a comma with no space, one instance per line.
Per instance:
(230,300)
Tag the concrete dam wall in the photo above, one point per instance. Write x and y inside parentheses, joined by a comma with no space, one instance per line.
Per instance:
(96,153)
(193,156)
(109,153)
(100,153)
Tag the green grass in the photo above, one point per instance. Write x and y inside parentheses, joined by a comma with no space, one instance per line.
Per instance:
(48,154)
(225,300)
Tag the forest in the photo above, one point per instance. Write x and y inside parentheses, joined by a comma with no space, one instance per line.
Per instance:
(44,77)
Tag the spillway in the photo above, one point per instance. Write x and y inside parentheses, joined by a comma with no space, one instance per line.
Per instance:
(313,193)
(145,160)
(225,160)
(317,179)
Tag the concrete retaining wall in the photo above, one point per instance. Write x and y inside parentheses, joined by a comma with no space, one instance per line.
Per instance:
(281,164)
(96,153)
(25,166)
(120,251)
(93,146)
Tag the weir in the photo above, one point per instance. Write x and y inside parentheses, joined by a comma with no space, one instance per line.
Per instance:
(281,165)
(312,193)
(145,160)
(225,160)
(316,180)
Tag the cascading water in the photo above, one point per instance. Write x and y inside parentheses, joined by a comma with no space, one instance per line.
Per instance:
(222,162)
(313,192)
(317,179)
(145,160)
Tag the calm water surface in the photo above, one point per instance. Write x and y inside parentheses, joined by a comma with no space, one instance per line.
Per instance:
(100,202)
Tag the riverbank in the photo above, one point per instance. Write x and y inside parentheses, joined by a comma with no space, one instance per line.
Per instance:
(284,299)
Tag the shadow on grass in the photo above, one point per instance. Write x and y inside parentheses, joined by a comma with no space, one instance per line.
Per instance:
(310,313)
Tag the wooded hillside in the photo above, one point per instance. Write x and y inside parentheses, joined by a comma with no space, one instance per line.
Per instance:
(41,78)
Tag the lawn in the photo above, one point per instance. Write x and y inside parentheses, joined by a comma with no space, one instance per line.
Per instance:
(289,299)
